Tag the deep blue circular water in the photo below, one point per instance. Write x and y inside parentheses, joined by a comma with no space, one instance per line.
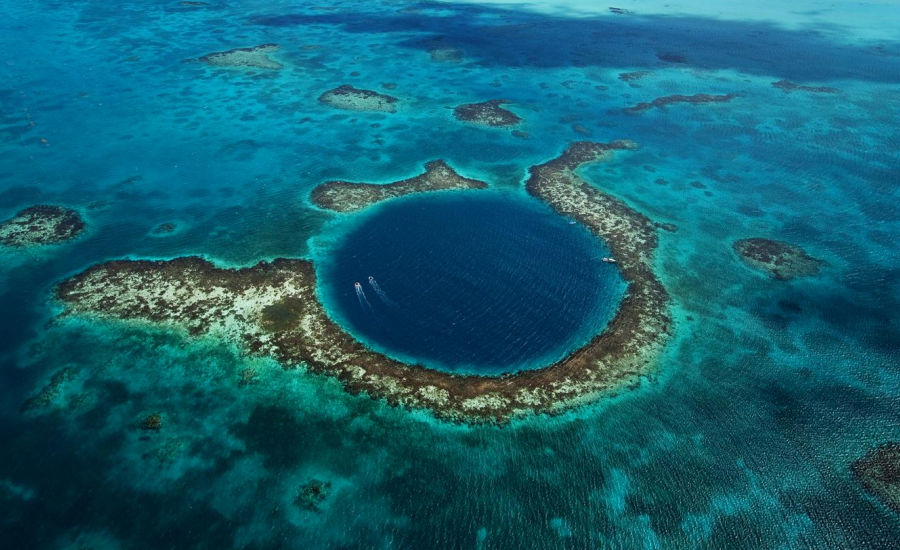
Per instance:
(470,282)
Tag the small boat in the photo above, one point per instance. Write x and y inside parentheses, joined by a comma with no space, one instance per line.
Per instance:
(357,285)
(608,260)
(371,279)
(572,222)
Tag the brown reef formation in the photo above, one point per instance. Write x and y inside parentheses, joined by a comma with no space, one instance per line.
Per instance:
(344,196)
(635,75)
(879,472)
(779,259)
(255,57)
(271,309)
(356,99)
(40,225)
(488,113)
(788,87)
(52,390)
(312,494)
(696,99)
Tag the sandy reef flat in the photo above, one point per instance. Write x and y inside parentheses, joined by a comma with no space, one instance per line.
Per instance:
(255,57)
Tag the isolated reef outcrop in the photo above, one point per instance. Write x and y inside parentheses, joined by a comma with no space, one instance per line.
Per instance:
(787,87)
(344,196)
(41,225)
(879,473)
(357,99)
(271,309)
(487,113)
(255,57)
(779,259)
(696,99)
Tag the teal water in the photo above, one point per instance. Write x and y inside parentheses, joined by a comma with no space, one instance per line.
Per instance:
(481,283)
(743,440)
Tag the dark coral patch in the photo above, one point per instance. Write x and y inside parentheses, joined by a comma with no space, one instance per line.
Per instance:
(356,99)
(788,87)
(343,196)
(696,99)
(488,113)
(283,315)
(40,225)
(164,228)
(781,260)
(152,423)
(312,494)
(879,472)
(671,57)
(633,76)
(52,389)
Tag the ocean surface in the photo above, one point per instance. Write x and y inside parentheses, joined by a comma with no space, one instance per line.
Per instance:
(742,439)
(473,282)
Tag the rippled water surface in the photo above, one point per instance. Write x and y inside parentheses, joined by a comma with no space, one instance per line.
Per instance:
(744,436)
(481,284)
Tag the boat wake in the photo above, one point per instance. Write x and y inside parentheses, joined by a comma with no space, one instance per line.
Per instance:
(381,294)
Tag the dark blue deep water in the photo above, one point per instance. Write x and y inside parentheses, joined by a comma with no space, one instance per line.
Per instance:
(485,283)
(744,437)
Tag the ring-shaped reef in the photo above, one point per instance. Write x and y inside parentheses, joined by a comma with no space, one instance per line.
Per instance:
(272,309)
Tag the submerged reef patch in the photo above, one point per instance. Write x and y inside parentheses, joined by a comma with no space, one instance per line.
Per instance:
(635,75)
(312,494)
(52,390)
(446,55)
(356,99)
(41,225)
(255,57)
(343,196)
(696,99)
(781,260)
(879,472)
(272,309)
(165,228)
(488,113)
(788,87)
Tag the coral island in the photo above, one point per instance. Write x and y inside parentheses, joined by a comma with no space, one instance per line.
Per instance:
(788,87)
(40,225)
(781,260)
(696,99)
(343,196)
(488,113)
(255,57)
(271,309)
(356,99)
(879,472)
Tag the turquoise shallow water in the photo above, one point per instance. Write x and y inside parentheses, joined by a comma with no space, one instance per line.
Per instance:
(743,439)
